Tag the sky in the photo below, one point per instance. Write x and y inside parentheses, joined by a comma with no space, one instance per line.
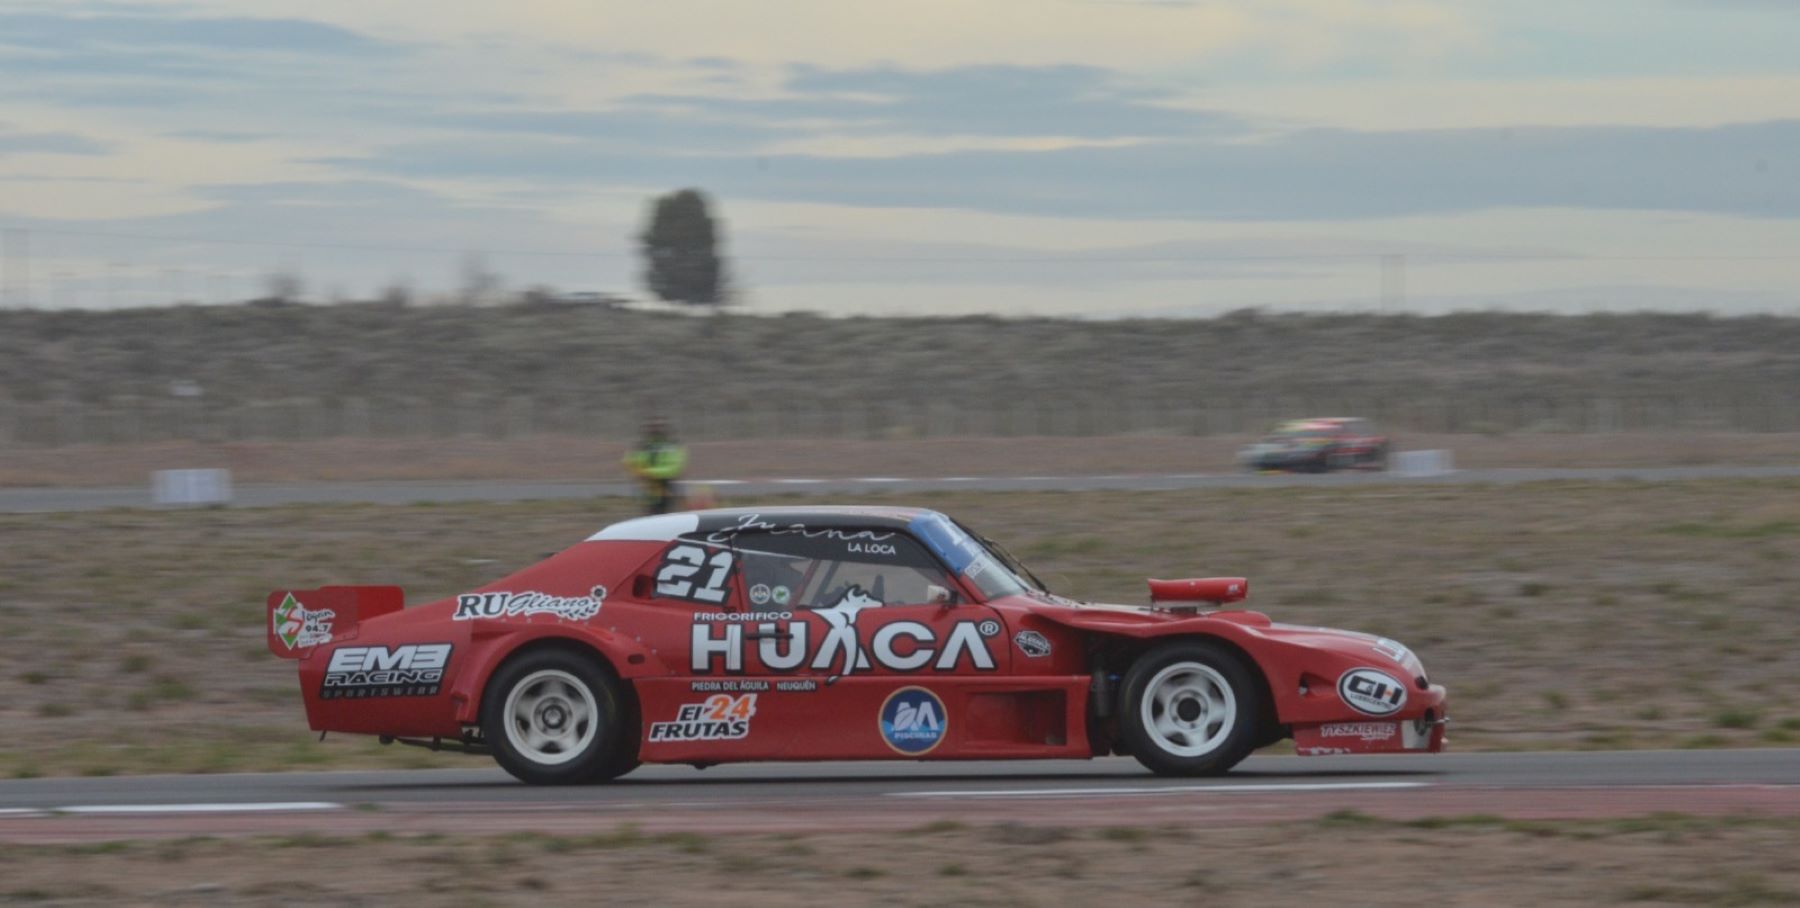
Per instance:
(1093,158)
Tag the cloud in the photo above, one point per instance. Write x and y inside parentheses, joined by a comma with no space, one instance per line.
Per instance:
(365,233)
(818,106)
(12,143)
(324,194)
(126,57)
(662,130)
(118,31)
(1741,169)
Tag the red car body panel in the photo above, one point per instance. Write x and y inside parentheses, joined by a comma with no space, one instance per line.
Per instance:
(1016,675)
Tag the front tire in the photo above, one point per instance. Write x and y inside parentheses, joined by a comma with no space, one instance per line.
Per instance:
(1378,459)
(555,717)
(1190,708)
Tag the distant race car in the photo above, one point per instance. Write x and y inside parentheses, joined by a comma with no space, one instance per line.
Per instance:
(834,634)
(1318,446)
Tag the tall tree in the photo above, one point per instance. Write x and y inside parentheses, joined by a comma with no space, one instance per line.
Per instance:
(681,251)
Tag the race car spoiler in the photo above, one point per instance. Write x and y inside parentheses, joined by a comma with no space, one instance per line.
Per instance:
(1216,590)
(299,620)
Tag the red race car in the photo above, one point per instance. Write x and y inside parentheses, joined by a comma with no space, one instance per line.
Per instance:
(834,634)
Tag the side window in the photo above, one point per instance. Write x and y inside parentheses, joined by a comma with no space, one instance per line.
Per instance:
(693,570)
(828,568)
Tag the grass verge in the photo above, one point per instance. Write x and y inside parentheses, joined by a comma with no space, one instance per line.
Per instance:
(1561,615)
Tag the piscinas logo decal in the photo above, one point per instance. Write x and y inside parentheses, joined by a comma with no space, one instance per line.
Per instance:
(913,721)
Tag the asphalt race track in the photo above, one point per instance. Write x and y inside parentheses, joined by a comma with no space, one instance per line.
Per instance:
(903,795)
(50,500)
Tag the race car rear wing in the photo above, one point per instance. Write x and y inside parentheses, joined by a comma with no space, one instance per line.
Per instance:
(1216,590)
(299,620)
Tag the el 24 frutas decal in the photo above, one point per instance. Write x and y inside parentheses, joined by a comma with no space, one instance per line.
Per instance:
(721,717)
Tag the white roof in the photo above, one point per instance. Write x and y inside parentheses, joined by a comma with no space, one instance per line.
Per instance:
(656,528)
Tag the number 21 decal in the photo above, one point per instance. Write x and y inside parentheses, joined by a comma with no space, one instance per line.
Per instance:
(675,579)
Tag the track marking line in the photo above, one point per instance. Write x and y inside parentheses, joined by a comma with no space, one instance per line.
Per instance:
(1161,789)
(265,807)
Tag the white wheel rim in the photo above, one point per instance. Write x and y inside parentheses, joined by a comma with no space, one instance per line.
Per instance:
(551,717)
(1188,709)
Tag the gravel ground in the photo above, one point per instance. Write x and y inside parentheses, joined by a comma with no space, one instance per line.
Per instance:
(1341,858)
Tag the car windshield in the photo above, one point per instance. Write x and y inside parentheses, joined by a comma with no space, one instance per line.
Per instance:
(976,558)
(1299,434)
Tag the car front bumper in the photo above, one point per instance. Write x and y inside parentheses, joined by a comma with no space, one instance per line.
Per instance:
(1423,733)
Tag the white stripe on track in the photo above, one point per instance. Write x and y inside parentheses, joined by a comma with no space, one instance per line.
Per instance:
(266,807)
(1160,789)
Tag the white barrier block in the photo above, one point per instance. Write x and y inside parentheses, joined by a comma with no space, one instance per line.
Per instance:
(190,488)
(1421,463)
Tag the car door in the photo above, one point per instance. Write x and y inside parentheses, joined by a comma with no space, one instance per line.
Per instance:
(690,592)
(857,640)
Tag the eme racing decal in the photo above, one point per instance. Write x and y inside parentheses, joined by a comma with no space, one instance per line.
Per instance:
(411,670)
(721,717)
(514,605)
(913,721)
(1371,692)
(901,646)
(297,626)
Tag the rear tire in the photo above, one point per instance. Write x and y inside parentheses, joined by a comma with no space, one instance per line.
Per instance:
(555,717)
(1190,708)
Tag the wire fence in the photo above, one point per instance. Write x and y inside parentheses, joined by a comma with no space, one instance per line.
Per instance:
(63,423)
